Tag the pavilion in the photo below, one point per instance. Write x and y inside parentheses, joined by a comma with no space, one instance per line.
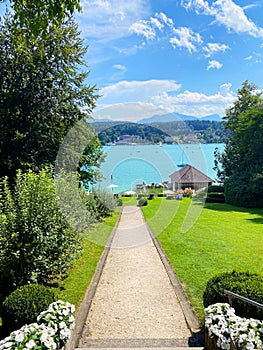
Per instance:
(189,176)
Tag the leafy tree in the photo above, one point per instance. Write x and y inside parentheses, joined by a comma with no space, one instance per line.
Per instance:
(43,93)
(36,242)
(242,161)
(36,15)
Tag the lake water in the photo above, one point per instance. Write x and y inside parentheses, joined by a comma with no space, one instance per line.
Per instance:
(134,164)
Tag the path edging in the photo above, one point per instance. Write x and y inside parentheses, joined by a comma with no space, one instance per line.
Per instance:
(86,303)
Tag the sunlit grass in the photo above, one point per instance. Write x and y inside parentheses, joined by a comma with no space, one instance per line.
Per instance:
(222,238)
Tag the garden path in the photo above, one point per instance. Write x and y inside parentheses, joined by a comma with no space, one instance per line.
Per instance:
(137,301)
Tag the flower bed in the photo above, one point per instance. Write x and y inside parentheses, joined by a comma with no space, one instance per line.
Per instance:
(225,330)
(51,331)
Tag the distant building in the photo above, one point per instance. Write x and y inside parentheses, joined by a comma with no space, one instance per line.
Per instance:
(189,176)
(169,139)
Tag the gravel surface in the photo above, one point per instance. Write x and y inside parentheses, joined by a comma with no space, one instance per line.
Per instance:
(134,297)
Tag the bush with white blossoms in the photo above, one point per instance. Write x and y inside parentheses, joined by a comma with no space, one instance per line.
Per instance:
(223,325)
(51,332)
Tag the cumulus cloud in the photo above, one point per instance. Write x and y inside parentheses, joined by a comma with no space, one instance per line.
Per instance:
(141,99)
(133,91)
(186,38)
(198,104)
(143,28)
(214,64)
(227,13)
(128,111)
(213,48)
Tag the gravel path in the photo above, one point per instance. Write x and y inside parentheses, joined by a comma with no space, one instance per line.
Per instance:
(134,298)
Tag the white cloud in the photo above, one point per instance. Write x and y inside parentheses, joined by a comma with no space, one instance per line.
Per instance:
(166,20)
(155,21)
(227,13)
(213,48)
(128,111)
(110,20)
(248,58)
(198,104)
(214,64)
(135,100)
(133,91)
(120,67)
(186,38)
(143,28)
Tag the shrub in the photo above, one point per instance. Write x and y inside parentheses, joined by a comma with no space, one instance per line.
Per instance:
(24,305)
(215,188)
(37,244)
(142,202)
(244,191)
(215,197)
(187,192)
(105,202)
(242,283)
(51,332)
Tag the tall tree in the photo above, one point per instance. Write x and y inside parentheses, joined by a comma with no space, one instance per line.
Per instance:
(242,161)
(43,93)
(36,15)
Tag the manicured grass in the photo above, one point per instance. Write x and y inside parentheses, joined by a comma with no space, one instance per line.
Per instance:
(73,287)
(203,241)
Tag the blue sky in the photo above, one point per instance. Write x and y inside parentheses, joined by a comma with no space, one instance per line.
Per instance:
(156,56)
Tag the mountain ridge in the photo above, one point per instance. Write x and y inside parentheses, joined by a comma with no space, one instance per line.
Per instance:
(163,118)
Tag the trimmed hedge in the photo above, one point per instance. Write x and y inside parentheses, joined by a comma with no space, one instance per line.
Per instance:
(215,197)
(242,283)
(215,188)
(24,305)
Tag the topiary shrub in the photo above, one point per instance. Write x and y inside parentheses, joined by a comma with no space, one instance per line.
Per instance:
(24,305)
(215,197)
(142,202)
(215,188)
(242,283)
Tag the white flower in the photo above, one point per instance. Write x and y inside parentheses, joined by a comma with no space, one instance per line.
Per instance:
(30,345)
(19,335)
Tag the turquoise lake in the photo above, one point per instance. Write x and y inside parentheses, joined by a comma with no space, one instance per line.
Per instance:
(134,164)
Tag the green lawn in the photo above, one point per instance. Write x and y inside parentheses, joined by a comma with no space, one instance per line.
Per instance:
(203,241)
(73,288)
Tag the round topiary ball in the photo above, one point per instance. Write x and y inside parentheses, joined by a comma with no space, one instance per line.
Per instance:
(242,283)
(24,305)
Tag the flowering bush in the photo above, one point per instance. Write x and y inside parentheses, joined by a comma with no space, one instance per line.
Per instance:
(51,332)
(222,323)
(187,192)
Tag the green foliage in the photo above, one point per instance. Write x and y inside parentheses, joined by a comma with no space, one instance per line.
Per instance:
(35,17)
(241,164)
(215,197)
(24,305)
(139,133)
(215,194)
(105,202)
(207,131)
(36,243)
(215,188)
(242,283)
(244,191)
(43,92)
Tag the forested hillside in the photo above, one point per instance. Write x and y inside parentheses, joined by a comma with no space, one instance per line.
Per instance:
(130,132)
(203,131)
